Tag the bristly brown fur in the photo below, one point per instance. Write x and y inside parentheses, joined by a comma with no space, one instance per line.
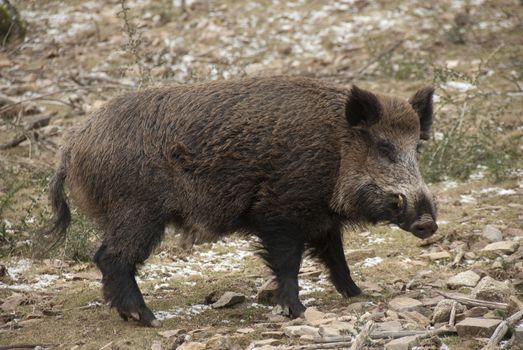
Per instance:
(288,159)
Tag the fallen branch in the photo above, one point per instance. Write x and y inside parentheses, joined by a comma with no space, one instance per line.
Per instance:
(502,329)
(14,142)
(452,320)
(420,334)
(475,302)
(24,346)
(359,341)
(12,105)
(333,345)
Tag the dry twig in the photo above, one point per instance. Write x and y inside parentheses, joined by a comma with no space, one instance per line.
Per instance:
(502,329)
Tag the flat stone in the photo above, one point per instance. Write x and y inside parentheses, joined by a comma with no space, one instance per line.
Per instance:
(355,255)
(443,309)
(259,344)
(313,315)
(436,256)
(387,326)
(404,343)
(518,334)
(192,345)
(12,302)
(246,330)
(404,304)
(491,234)
(359,307)
(229,299)
(172,333)
(298,331)
(476,311)
(268,292)
(463,279)
(432,301)
(477,327)
(502,247)
(336,329)
(491,290)
(418,318)
(273,334)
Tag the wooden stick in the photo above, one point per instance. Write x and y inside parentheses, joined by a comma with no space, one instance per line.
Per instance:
(452,320)
(23,346)
(359,341)
(458,257)
(502,329)
(421,334)
(336,345)
(475,302)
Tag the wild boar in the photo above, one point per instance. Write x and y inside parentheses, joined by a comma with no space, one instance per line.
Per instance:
(290,160)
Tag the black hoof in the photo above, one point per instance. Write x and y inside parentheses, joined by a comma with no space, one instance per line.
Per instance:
(143,315)
(349,292)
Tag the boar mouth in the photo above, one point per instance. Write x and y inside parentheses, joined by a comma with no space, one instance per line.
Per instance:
(423,227)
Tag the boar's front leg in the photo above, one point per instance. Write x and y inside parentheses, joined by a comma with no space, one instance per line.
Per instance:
(329,250)
(282,251)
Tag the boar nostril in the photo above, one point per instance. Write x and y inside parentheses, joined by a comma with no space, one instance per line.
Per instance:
(424,228)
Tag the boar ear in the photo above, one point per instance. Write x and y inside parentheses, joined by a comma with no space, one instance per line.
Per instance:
(422,103)
(363,107)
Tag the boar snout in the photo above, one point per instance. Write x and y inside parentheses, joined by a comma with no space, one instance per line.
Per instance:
(424,227)
(419,216)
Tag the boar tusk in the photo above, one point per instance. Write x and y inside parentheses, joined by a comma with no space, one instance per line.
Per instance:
(400,201)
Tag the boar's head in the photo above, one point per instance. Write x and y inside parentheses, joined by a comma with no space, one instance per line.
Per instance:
(379,178)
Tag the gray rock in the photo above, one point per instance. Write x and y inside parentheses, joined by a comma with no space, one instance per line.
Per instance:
(518,334)
(388,326)
(442,310)
(501,247)
(355,255)
(404,304)
(298,331)
(404,343)
(191,346)
(476,311)
(492,290)
(268,292)
(436,255)
(463,279)
(312,315)
(477,327)
(172,332)
(229,299)
(492,234)
(336,329)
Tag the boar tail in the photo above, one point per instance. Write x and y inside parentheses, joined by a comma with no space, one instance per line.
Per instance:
(62,214)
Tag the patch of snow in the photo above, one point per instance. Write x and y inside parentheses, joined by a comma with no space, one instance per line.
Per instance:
(369,262)
(449,184)
(21,266)
(307,287)
(186,312)
(459,86)
(375,240)
(467,199)
(498,191)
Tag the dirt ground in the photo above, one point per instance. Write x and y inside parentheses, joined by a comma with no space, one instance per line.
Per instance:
(78,54)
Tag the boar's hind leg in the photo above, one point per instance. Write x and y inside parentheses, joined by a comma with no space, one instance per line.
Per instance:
(117,258)
(329,249)
(282,253)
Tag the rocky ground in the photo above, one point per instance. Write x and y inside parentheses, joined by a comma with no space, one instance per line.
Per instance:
(455,290)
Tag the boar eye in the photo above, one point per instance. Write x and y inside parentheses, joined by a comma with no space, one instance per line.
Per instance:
(387,150)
